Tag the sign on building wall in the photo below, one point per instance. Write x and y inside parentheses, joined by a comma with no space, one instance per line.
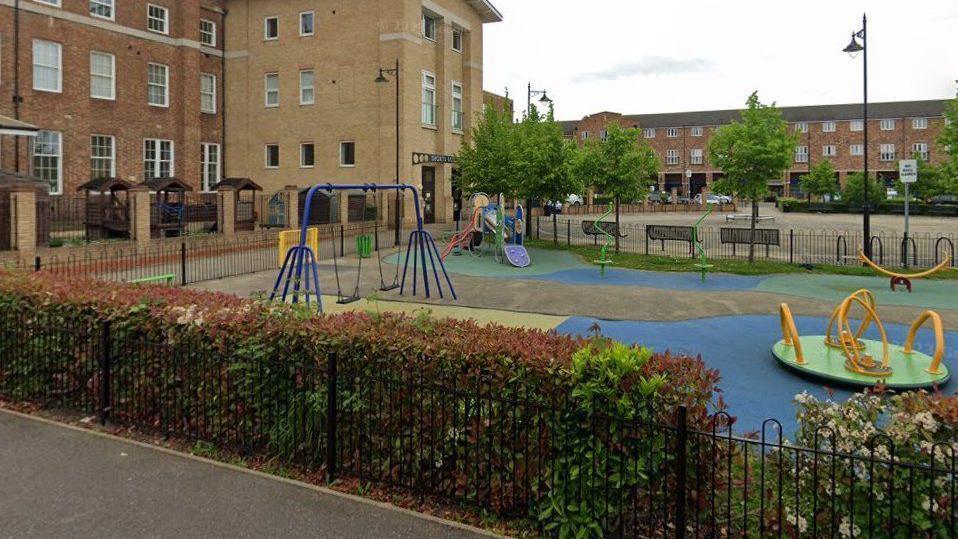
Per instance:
(424,158)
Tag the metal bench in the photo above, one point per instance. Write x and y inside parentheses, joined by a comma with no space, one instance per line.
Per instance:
(742,236)
(664,233)
(596,228)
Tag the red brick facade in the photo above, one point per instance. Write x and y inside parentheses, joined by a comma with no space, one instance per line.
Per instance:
(128,118)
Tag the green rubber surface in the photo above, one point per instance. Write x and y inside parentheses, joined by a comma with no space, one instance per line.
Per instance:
(928,294)
(824,363)
(544,261)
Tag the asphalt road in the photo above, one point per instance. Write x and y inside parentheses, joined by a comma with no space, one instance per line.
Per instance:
(61,482)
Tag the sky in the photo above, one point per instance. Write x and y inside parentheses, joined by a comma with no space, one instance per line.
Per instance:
(641,56)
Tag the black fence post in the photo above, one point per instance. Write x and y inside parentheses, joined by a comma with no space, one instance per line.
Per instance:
(342,241)
(331,417)
(183,263)
(377,234)
(36,264)
(106,367)
(681,471)
(791,246)
(537,227)
(645,228)
(568,232)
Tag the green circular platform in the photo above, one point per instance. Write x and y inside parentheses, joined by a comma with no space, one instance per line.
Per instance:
(827,364)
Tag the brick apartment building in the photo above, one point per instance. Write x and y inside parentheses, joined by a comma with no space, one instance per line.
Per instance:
(896,130)
(280,91)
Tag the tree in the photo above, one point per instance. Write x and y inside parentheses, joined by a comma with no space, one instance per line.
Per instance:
(621,165)
(854,189)
(949,141)
(489,161)
(930,181)
(750,152)
(820,181)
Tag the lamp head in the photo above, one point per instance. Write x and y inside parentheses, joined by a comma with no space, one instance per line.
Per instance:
(381,79)
(545,98)
(854,47)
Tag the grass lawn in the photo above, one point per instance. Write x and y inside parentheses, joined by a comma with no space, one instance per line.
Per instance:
(737,267)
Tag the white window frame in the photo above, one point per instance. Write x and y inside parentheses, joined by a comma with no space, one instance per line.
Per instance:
(828,127)
(919,123)
(58,67)
(111,157)
(210,95)
(303,88)
(111,76)
(648,132)
(210,178)
(266,36)
(886,153)
(54,3)
(920,149)
(165,86)
(151,19)
(585,135)
(457,98)
(211,32)
(672,132)
(457,32)
(58,189)
(429,88)
(801,127)
(856,125)
(887,124)
(342,153)
(856,150)
(696,156)
(801,154)
(671,157)
(312,15)
(425,27)
(108,4)
(302,160)
(829,150)
(696,132)
(267,91)
(266,156)
(158,161)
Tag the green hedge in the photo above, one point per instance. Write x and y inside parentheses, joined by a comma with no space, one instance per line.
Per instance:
(890,208)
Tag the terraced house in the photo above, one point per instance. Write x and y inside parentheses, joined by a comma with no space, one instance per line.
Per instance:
(284,92)
(896,130)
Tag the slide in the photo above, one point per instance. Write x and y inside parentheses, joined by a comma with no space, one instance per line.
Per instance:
(463,238)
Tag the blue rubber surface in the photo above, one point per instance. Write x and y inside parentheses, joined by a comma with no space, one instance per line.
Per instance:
(754,385)
(714,282)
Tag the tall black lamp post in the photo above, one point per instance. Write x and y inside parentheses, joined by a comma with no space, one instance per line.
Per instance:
(381,79)
(544,100)
(853,48)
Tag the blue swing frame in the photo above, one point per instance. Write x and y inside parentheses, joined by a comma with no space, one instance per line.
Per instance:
(300,266)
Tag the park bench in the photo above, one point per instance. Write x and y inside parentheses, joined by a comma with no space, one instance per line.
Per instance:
(596,228)
(741,236)
(664,233)
(747,217)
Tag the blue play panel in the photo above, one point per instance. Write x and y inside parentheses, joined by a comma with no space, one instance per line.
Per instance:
(754,385)
(714,282)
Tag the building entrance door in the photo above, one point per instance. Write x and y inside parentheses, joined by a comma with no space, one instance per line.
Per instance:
(429,195)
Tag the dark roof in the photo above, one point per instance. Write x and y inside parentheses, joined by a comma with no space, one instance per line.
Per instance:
(166,184)
(239,184)
(106,184)
(568,127)
(807,113)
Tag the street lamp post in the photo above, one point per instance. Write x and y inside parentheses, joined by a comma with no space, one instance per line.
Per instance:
(853,48)
(545,99)
(381,79)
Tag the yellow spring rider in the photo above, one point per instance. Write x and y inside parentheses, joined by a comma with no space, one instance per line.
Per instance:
(843,356)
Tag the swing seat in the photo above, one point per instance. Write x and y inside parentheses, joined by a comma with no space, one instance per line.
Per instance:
(388,287)
(347,301)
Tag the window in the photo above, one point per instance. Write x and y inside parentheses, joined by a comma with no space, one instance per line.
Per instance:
(210,160)
(102,8)
(456,39)
(102,75)
(307,92)
(271,28)
(102,157)
(585,135)
(158,85)
(603,134)
(272,89)
(888,125)
(695,157)
(672,157)
(347,154)
(55,3)
(307,155)
(456,106)
(828,127)
(47,67)
(919,150)
(696,132)
(207,33)
(157,158)
(307,26)
(829,150)
(801,127)
(272,156)
(856,125)
(919,123)
(856,150)
(801,154)
(428,99)
(48,160)
(887,152)
(157,19)
(648,132)
(672,132)
(208,93)
(429,25)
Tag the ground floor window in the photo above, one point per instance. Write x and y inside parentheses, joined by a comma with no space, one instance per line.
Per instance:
(102,157)
(48,159)
(157,158)
(347,154)
(210,160)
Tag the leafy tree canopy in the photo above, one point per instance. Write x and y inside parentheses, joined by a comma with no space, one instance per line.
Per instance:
(821,180)
(621,165)
(854,189)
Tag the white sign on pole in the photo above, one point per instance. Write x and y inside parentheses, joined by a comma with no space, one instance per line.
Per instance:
(908,170)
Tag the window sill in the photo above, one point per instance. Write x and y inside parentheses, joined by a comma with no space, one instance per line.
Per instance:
(431,127)
(458,132)
(347,166)
(428,39)
(154,105)
(305,167)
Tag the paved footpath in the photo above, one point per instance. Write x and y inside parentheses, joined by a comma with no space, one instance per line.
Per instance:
(61,482)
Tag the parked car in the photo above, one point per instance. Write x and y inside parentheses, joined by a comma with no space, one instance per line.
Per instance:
(683,200)
(659,197)
(710,199)
(574,200)
(943,199)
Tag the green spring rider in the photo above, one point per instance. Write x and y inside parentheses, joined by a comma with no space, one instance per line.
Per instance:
(703,261)
(604,260)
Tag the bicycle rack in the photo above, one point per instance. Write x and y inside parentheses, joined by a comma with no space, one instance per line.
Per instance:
(841,249)
(914,251)
(881,249)
(951,248)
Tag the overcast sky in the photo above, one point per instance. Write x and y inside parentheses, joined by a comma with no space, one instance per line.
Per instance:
(642,56)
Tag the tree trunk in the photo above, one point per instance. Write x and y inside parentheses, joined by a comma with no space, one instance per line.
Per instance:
(617,225)
(527,216)
(555,227)
(751,236)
